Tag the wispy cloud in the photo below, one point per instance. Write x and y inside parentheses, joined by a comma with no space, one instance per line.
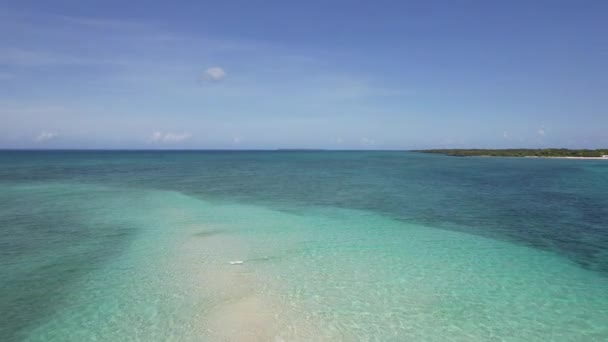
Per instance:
(44,136)
(102,23)
(170,137)
(365,141)
(12,56)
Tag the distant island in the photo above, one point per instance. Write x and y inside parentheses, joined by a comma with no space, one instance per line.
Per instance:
(545,152)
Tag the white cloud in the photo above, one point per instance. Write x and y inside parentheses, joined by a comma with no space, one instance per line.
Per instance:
(236,140)
(505,135)
(214,74)
(44,136)
(169,137)
(541,131)
(339,140)
(367,141)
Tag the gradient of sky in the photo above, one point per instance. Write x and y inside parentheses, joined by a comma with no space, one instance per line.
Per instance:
(303,74)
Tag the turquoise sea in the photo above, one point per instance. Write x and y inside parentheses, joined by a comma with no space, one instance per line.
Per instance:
(335,246)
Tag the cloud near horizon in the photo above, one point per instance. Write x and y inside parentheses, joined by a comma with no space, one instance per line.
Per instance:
(44,136)
(365,141)
(170,137)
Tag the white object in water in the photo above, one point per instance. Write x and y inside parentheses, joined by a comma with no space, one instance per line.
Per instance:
(236,262)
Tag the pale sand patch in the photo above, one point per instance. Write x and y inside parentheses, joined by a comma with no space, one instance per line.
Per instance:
(237,300)
(258,318)
(251,318)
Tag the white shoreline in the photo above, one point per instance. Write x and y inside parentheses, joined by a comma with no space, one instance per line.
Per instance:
(589,158)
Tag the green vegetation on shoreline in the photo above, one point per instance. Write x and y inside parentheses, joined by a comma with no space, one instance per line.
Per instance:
(546,152)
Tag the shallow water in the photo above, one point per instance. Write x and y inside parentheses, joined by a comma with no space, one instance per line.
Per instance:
(335,246)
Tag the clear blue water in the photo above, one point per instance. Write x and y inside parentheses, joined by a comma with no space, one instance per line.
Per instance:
(387,246)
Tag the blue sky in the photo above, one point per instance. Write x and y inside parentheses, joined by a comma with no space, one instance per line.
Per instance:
(313,74)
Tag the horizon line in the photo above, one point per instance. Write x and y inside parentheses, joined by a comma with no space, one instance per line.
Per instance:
(278,149)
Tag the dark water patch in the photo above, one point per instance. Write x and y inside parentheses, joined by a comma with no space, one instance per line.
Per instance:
(210,233)
(29,298)
(47,244)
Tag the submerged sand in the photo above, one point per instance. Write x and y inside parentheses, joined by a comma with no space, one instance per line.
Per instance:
(239,307)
